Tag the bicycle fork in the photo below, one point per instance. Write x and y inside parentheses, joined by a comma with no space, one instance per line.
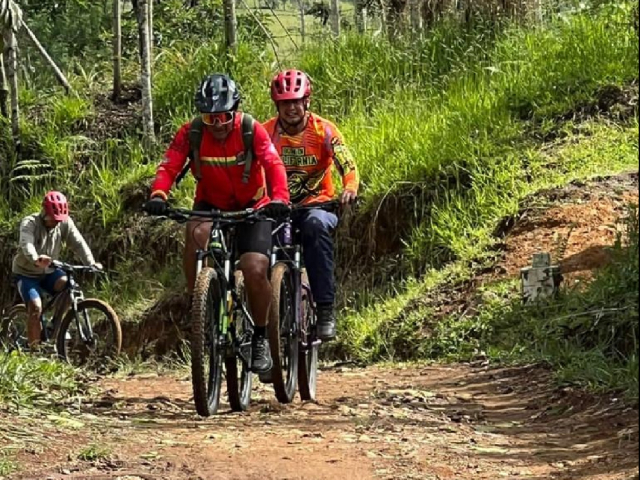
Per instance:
(84,326)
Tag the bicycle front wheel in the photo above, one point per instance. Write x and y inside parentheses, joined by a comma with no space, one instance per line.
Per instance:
(207,342)
(283,334)
(309,345)
(90,336)
(238,359)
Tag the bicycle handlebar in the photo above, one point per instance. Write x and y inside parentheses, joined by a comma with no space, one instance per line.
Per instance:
(331,205)
(182,215)
(67,267)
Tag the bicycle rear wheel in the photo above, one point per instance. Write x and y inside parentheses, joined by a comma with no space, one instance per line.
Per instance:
(13,329)
(207,342)
(93,338)
(309,345)
(283,334)
(238,364)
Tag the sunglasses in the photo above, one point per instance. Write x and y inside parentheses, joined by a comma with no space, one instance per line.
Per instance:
(217,118)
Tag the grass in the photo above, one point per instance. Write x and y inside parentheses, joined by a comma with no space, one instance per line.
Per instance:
(94,453)
(27,381)
(588,336)
(7,467)
(371,333)
(451,131)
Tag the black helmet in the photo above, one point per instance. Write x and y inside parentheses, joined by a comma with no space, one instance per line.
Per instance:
(217,94)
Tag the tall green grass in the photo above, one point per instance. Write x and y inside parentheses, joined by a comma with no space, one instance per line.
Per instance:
(454,118)
(27,381)
(400,327)
(465,133)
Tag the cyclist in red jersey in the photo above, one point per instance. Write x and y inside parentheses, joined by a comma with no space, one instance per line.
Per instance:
(226,183)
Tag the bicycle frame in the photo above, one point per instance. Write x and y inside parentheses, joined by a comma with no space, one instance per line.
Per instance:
(221,251)
(291,249)
(74,295)
(77,295)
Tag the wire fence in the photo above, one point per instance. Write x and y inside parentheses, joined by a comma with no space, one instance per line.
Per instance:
(291,25)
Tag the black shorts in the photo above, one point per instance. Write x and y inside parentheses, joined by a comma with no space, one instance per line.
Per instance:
(254,237)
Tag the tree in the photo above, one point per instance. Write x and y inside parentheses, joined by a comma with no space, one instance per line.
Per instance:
(361,14)
(117,49)
(4,86)
(11,19)
(145,67)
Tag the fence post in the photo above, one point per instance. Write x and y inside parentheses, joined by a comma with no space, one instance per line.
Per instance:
(303,28)
(335,17)
(361,15)
(231,25)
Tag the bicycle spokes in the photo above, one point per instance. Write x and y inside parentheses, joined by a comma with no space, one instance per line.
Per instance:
(90,337)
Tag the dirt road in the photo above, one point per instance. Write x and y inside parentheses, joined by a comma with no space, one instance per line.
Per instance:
(431,422)
(457,422)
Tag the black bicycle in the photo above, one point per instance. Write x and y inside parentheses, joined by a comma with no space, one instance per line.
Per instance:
(221,325)
(85,332)
(293,335)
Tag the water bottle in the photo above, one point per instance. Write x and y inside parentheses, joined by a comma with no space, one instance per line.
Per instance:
(286,234)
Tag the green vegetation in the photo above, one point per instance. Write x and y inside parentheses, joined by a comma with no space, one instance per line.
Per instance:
(27,381)
(94,453)
(452,130)
(6,467)
(589,335)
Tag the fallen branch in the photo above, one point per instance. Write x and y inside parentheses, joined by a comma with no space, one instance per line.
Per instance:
(598,313)
(61,78)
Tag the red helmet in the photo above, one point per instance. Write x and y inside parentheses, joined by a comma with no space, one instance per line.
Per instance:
(56,206)
(290,85)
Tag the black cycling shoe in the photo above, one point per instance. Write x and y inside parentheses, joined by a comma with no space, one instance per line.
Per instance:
(326,322)
(266,378)
(261,361)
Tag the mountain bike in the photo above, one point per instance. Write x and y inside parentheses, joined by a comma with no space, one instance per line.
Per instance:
(221,325)
(293,333)
(87,334)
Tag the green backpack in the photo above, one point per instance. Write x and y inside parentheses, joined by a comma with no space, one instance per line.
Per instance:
(195,140)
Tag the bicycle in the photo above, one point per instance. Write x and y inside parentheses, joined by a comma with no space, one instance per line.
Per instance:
(76,335)
(221,326)
(293,333)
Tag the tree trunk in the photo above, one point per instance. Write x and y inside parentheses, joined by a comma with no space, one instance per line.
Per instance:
(4,88)
(231,25)
(147,98)
(361,15)
(11,60)
(151,32)
(117,49)
(335,17)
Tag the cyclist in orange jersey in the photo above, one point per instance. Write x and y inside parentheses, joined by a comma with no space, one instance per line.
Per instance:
(311,147)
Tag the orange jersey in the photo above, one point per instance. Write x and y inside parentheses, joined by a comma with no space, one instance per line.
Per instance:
(310,157)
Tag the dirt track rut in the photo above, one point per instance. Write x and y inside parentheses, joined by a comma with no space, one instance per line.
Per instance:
(431,422)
